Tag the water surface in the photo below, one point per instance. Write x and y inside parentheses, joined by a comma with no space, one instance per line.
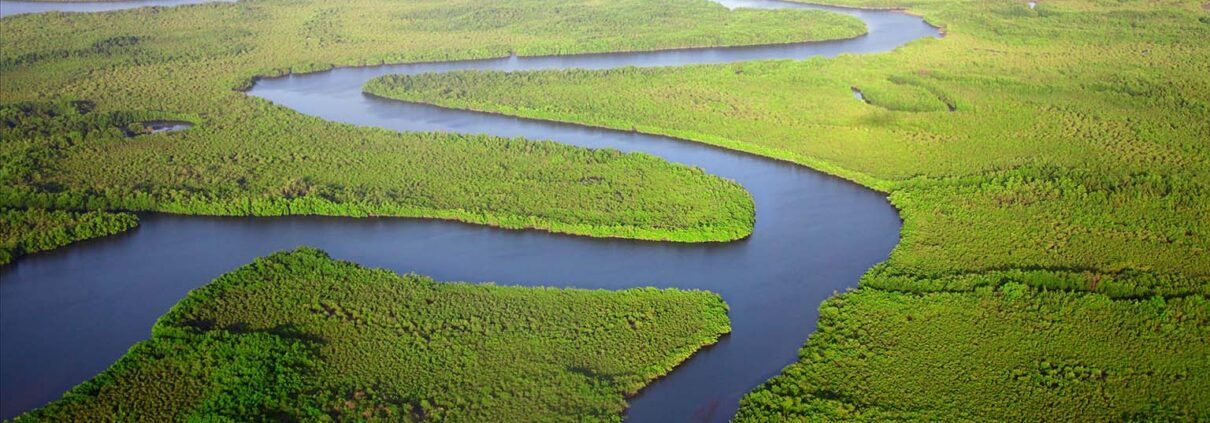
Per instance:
(68,314)
(9,7)
(158,126)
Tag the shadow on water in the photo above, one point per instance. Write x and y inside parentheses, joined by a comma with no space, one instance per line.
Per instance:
(68,314)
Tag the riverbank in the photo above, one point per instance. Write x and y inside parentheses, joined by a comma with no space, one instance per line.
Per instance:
(28,231)
(1084,175)
(213,163)
(277,178)
(297,335)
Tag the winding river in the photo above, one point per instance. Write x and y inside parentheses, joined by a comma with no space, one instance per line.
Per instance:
(68,314)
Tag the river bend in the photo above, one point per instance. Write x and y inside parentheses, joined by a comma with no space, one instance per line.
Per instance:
(68,314)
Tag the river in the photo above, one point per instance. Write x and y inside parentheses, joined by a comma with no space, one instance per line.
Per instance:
(68,314)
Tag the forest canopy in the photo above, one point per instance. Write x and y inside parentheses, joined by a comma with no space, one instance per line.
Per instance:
(300,336)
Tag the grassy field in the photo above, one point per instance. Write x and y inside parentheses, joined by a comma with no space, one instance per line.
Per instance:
(248,157)
(1061,148)
(300,336)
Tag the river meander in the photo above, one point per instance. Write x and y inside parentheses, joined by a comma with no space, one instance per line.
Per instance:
(68,314)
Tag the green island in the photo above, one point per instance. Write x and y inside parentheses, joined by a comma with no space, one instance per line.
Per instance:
(1052,171)
(246,156)
(298,336)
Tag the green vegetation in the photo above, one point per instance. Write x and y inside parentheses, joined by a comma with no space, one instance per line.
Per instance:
(30,231)
(248,157)
(1011,353)
(1057,148)
(39,138)
(1049,165)
(299,336)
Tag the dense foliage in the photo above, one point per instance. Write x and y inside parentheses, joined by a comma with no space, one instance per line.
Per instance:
(1050,164)
(39,138)
(299,336)
(248,157)
(1090,158)
(1007,354)
(1056,172)
(1057,148)
(33,230)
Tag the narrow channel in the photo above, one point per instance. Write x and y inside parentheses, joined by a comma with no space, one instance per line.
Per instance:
(76,310)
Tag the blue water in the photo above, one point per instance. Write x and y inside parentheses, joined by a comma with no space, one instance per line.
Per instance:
(68,314)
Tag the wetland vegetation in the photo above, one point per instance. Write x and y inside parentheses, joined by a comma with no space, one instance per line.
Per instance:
(1006,353)
(1054,154)
(300,336)
(24,231)
(1079,149)
(248,157)
(1049,161)
(78,89)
